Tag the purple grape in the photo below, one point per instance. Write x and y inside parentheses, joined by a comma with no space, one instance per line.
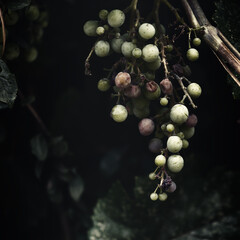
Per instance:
(155,145)
(191,121)
(166,86)
(172,187)
(146,126)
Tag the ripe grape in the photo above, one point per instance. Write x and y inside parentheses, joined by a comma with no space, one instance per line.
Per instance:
(132,91)
(172,187)
(146,126)
(166,86)
(122,80)
(155,145)
(191,121)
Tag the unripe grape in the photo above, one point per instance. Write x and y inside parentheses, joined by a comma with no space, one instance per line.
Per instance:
(90,28)
(166,86)
(188,132)
(103,14)
(122,80)
(163,127)
(116,18)
(160,160)
(187,71)
(179,113)
(175,163)
(185,143)
(137,52)
(170,127)
(127,48)
(146,30)
(197,42)
(174,144)
(194,90)
(155,145)
(169,48)
(153,66)
(192,54)
(191,121)
(31,54)
(181,135)
(11,18)
(102,48)
(100,30)
(162,196)
(154,196)
(32,13)
(119,113)
(116,44)
(172,187)
(141,112)
(132,91)
(149,75)
(152,176)
(150,53)
(103,84)
(141,102)
(152,95)
(146,126)
(164,101)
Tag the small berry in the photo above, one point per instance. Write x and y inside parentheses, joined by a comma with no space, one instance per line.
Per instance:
(172,187)
(160,160)
(155,145)
(185,143)
(162,196)
(100,30)
(192,54)
(154,196)
(164,101)
(170,127)
(152,176)
(194,90)
(103,14)
(119,113)
(146,126)
(169,48)
(103,84)
(122,80)
(197,42)
(137,52)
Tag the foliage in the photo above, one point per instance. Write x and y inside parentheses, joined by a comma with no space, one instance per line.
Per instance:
(227,17)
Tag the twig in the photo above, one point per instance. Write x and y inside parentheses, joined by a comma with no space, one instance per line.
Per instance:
(3,32)
(179,79)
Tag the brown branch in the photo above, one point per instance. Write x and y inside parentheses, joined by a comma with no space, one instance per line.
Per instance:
(222,48)
(3,31)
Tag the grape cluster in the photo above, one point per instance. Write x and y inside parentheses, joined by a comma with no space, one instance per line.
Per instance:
(149,80)
(32,21)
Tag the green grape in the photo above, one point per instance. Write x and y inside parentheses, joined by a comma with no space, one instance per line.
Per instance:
(31,54)
(12,51)
(179,113)
(175,163)
(160,160)
(103,14)
(137,52)
(119,113)
(103,84)
(90,28)
(127,48)
(102,48)
(32,13)
(11,18)
(197,42)
(116,18)
(150,53)
(174,144)
(162,196)
(192,54)
(194,90)
(146,31)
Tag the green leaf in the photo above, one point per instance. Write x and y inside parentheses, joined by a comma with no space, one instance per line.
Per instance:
(39,147)
(8,85)
(76,187)
(18,4)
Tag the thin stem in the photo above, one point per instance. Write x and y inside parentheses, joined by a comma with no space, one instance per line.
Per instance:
(175,12)
(179,79)
(3,32)
(164,61)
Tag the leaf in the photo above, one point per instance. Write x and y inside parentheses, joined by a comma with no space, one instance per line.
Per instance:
(39,147)
(18,4)
(8,85)
(119,216)
(76,188)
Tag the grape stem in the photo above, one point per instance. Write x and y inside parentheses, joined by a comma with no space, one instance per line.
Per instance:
(3,32)
(164,61)
(179,79)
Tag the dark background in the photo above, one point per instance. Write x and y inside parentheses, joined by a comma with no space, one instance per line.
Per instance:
(70,105)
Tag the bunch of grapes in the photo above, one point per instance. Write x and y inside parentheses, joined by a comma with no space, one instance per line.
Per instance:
(23,31)
(150,82)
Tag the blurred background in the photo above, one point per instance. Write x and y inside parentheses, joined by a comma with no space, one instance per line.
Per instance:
(55,184)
